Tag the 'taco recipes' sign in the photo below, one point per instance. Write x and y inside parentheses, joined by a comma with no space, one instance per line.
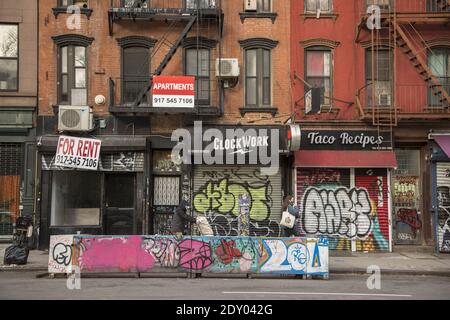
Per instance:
(80,153)
(344,140)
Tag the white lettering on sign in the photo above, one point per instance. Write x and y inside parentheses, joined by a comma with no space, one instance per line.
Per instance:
(173,91)
(345,138)
(81,153)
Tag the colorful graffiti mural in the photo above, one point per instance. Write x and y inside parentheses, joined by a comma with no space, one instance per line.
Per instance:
(352,218)
(298,256)
(444,218)
(238,202)
(341,211)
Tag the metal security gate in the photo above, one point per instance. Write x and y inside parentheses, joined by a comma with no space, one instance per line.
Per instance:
(443,200)
(10,172)
(350,206)
(238,200)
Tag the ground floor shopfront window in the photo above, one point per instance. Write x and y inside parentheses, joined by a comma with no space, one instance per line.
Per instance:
(76,198)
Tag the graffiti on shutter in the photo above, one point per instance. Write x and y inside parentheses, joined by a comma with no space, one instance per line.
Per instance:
(443,198)
(375,183)
(318,191)
(330,206)
(238,200)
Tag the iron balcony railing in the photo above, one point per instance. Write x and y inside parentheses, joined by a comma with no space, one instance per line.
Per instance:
(409,99)
(407,6)
(148,5)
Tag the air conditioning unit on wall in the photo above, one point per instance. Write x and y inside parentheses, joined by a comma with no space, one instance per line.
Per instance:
(75,118)
(250,5)
(227,68)
(384,99)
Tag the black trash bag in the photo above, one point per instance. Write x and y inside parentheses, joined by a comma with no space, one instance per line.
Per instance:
(16,255)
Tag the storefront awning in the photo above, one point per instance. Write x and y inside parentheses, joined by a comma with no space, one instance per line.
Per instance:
(444,143)
(345,159)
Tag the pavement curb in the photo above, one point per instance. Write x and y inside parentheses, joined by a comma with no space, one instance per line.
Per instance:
(393,272)
(359,271)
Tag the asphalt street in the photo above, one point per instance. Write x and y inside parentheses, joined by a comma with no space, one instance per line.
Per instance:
(25,285)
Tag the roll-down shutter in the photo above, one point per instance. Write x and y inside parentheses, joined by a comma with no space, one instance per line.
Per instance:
(345,207)
(238,200)
(443,199)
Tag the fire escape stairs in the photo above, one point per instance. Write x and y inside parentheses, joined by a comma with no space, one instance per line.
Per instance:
(419,63)
(169,55)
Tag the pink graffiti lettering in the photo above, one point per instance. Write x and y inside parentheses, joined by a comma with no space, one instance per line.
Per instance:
(109,254)
(195,255)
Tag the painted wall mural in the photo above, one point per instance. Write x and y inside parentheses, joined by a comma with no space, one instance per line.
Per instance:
(330,207)
(238,201)
(297,256)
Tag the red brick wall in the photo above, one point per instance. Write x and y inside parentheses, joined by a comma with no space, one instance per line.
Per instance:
(104,56)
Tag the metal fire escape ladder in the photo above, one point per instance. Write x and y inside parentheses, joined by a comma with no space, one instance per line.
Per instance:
(169,55)
(407,47)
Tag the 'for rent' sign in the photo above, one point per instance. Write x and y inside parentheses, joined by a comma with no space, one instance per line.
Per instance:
(80,153)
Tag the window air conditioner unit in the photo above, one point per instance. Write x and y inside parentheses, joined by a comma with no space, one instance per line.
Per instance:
(250,5)
(384,99)
(227,68)
(75,118)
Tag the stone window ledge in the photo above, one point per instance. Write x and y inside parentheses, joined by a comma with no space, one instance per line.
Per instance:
(63,10)
(258,15)
(272,110)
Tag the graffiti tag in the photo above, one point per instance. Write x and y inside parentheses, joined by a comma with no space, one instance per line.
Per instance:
(340,212)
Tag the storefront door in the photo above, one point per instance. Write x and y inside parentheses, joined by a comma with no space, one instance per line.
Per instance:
(119,204)
(407,222)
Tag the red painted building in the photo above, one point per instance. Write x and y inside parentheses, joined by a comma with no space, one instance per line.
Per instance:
(362,71)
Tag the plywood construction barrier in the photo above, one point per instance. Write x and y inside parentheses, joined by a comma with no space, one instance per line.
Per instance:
(244,255)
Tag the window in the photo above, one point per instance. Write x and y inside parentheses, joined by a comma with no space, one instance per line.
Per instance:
(9,57)
(197,63)
(257,77)
(314,5)
(379,85)
(383,4)
(203,4)
(437,6)
(82,209)
(318,72)
(73,75)
(439,63)
(263,6)
(135,72)
(66,3)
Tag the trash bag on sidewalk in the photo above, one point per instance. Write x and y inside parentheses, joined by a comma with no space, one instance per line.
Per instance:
(15,254)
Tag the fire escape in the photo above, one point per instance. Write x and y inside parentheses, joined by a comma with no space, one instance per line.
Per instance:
(399,33)
(182,18)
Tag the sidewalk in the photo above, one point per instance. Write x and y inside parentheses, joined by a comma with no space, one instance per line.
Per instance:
(405,260)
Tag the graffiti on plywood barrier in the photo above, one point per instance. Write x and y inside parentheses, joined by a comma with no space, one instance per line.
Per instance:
(297,256)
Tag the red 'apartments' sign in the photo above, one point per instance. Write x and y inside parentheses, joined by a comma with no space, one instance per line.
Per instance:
(173,91)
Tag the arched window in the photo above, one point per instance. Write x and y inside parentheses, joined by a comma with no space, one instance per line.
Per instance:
(439,64)
(135,66)
(197,63)
(379,82)
(72,69)
(258,71)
